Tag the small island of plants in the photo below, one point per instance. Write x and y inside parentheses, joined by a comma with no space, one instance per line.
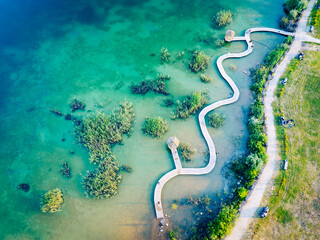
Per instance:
(216,120)
(186,151)
(51,201)
(191,104)
(199,61)
(98,132)
(155,127)
(222,18)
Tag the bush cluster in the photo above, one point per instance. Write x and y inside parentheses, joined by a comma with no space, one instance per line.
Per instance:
(164,55)
(216,120)
(199,61)
(223,18)
(155,127)
(98,133)
(190,104)
(156,86)
(186,151)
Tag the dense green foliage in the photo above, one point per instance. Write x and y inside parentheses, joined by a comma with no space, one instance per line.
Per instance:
(222,224)
(216,120)
(205,79)
(52,201)
(223,18)
(315,19)
(98,132)
(199,61)
(155,127)
(156,86)
(190,104)
(293,9)
(186,151)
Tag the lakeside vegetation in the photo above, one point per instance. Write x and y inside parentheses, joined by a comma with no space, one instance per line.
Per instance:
(51,201)
(294,202)
(155,127)
(246,168)
(315,19)
(98,132)
(206,79)
(191,104)
(293,9)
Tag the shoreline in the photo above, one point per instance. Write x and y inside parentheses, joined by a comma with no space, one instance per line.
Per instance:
(252,205)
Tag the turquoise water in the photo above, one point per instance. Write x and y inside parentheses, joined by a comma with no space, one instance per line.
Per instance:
(54,51)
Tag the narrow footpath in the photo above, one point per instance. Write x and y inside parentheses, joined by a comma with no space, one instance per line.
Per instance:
(249,210)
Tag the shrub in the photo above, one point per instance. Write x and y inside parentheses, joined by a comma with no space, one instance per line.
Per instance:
(164,54)
(219,42)
(155,127)
(284,23)
(242,193)
(205,78)
(288,40)
(174,206)
(216,120)
(222,224)
(222,18)
(52,201)
(274,56)
(199,61)
(293,14)
(190,104)
(186,151)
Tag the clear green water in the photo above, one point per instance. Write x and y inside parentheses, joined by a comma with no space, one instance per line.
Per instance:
(54,51)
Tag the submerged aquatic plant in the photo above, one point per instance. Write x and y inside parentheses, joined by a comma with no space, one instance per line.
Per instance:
(205,79)
(77,105)
(52,201)
(164,54)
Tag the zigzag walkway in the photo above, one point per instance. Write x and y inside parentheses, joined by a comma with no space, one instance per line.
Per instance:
(212,151)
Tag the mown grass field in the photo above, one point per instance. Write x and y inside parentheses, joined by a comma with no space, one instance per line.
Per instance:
(295,198)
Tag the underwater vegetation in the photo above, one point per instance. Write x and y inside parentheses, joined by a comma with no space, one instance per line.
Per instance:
(98,132)
(24,187)
(51,201)
(157,85)
(65,170)
(191,104)
(155,127)
(77,105)
(164,55)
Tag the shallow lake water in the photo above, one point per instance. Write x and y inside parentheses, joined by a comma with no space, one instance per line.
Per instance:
(54,51)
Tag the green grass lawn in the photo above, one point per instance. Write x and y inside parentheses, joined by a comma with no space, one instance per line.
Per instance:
(295,198)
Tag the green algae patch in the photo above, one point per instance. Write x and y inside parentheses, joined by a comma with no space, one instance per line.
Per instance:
(199,62)
(98,132)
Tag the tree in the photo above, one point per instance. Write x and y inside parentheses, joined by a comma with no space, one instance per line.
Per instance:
(52,201)
(223,17)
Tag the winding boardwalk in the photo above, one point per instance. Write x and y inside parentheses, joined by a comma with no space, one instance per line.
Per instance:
(252,205)
(212,151)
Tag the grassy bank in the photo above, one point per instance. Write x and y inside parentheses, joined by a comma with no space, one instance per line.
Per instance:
(315,19)
(294,201)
